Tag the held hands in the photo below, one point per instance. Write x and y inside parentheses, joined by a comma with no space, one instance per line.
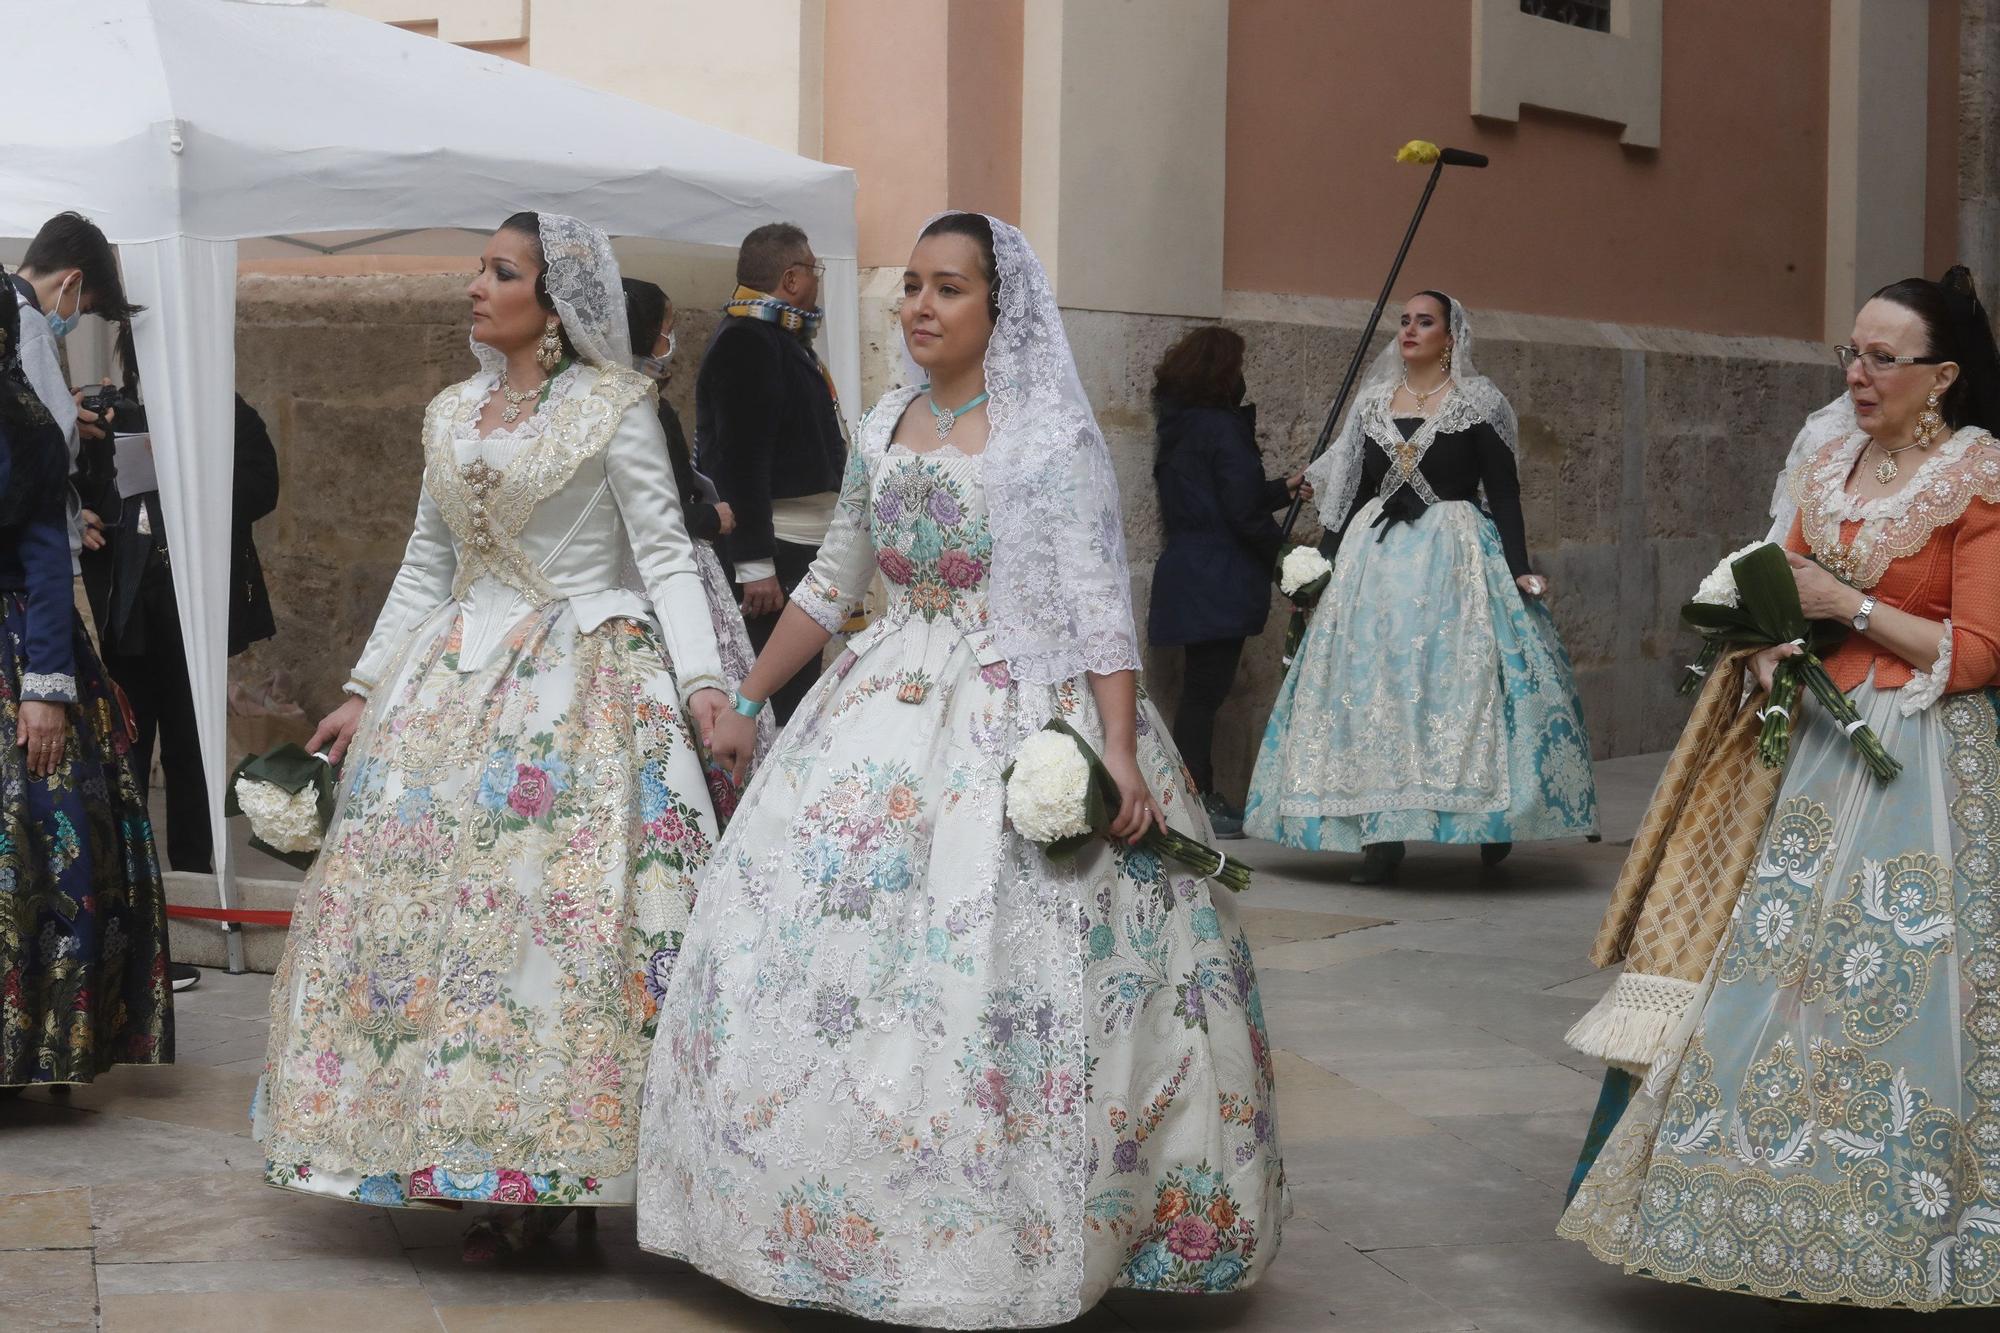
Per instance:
(763,597)
(1532,585)
(731,740)
(705,706)
(336,729)
(1138,812)
(1298,486)
(43,727)
(1821,595)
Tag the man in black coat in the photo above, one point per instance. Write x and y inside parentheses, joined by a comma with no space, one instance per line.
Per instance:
(138,622)
(767,430)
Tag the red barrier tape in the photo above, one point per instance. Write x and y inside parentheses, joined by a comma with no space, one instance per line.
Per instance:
(241,916)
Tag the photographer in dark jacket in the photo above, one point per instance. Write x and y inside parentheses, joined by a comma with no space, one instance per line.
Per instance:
(131,589)
(767,430)
(1212,582)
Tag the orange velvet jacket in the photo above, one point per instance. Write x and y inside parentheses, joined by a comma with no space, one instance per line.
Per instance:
(1932,550)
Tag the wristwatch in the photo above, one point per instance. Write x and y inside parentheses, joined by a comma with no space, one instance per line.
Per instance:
(1860,621)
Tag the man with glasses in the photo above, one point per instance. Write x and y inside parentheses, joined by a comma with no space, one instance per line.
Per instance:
(767,430)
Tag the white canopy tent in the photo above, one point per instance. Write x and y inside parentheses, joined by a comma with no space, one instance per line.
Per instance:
(201,123)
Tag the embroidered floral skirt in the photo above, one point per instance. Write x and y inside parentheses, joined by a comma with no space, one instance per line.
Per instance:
(83,925)
(910,1069)
(1829,1129)
(467,995)
(1428,702)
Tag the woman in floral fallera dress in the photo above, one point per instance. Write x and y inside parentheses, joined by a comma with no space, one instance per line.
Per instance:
(467,995)
(908,1067)
(1825,1125)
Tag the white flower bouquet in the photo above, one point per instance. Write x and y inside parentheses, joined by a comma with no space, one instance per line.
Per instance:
(1060,797)
(1303,574)
(287,795)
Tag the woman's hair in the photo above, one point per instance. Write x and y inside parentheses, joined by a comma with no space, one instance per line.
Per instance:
(530,226)
(1956,329)
(1203,369)
(1442,300)
(645,314)
(980,230)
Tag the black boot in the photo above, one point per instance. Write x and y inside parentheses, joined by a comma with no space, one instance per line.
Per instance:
(1380,866)
(1492,854)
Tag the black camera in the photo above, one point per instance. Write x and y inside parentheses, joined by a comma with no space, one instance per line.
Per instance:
(129,416)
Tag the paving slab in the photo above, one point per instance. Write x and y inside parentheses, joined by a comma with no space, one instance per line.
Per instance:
(47,1220)
(47,1291)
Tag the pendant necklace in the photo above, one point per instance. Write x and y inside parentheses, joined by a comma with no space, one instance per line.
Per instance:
(512,412)
(947,417)
(1886,470)
(1424,399)
(540,393)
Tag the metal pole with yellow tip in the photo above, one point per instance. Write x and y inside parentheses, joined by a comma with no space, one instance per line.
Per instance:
(1420,152)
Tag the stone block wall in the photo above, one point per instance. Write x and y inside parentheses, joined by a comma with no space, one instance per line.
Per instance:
(1646,455)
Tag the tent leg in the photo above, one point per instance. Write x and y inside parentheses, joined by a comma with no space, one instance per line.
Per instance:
(234,933)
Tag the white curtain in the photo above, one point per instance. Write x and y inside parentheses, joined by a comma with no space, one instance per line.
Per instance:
(187,367)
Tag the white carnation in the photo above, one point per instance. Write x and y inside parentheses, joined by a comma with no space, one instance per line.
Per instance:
(1719,588)
(287,821)
(1303,566)
(1048,793)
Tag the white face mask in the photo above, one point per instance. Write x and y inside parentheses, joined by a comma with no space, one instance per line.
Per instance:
(655,367)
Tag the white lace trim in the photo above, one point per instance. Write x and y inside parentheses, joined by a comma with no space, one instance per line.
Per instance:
(1629,1027)
(1927,687)
(1837,464)
(51,687)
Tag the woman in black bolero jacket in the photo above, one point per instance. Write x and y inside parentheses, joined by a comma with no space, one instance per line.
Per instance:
(1212,582)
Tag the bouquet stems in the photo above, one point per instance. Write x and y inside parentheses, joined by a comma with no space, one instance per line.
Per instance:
(1841,709)
(1170,841)
(1697,672)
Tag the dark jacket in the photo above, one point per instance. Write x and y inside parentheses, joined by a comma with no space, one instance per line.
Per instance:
(765,426)
(35,561)
(118,576)
(1213,578)
(704,524)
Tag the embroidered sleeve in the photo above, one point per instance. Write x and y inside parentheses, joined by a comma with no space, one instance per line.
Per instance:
(1925,688)
(833,588)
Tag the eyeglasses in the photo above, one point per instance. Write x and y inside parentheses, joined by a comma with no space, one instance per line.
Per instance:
(818,268)
(1874,363)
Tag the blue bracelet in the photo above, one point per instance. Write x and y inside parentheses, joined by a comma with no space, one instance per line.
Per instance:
(749,707)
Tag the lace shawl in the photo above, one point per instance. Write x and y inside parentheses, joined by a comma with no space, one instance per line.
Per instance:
(1061,592)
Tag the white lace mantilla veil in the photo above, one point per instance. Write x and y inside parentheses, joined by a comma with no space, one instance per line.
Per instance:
(1336,474)
(582,279)
(1061,595)
(1835,421)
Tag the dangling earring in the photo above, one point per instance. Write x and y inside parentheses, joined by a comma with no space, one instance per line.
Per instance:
(1444,361)
(1929,423)
(550,351)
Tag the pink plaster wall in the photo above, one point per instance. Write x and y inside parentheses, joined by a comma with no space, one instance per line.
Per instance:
(923,100)
(1941,164)
(1722,228)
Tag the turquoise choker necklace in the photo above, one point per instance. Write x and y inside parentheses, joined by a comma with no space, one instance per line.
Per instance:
(947,418)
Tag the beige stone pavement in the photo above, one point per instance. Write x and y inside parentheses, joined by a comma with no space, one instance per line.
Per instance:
(1429,1111)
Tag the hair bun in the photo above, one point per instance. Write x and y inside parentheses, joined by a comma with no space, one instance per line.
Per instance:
(1957,281)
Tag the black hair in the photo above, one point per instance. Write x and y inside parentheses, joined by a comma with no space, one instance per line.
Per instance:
(767,252)
(1956,329)
(1442,300)
(980,230)
(645,314)
(530,226)
(71,240)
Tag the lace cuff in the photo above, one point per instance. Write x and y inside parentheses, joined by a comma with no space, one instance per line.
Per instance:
(824,603)
(48,687)
(694,685)
(1927,687)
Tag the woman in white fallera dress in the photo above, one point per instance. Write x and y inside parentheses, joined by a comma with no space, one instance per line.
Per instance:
(466,1001)
(909,1067)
